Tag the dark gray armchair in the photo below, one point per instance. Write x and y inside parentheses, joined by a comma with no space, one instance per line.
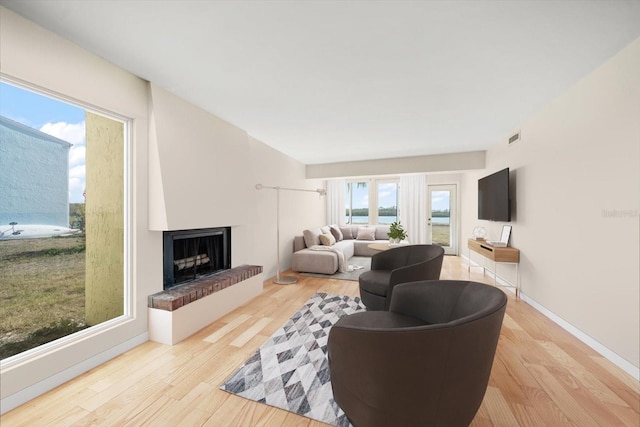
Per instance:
(398,265)
(425,362)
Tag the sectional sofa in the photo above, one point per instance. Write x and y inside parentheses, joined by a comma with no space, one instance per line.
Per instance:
(318,249)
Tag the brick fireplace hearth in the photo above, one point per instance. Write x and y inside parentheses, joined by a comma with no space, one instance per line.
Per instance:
(187,293)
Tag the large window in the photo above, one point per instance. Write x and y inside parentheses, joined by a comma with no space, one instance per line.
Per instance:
(357,202)
(62,219)
(387,201)
(371,201)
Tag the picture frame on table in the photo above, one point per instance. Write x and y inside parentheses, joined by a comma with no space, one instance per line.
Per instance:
(506,234)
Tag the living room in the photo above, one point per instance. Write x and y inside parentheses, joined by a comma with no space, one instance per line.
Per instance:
(575,217)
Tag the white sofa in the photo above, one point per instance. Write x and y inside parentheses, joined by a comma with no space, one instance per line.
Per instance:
(355,241)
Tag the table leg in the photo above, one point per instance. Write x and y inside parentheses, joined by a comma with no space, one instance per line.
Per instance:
(517,282)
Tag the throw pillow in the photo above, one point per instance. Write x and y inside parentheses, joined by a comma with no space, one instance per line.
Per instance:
(311,237)
(324,230)
(382,232)
(327,239)
(336,232)
(366,233)
(346,232)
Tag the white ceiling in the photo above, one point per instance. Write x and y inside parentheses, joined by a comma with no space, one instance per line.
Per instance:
(331,81)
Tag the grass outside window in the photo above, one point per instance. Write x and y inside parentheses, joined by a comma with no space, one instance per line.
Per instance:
(42,291)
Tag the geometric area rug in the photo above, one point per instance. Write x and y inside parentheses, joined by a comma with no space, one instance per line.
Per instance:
(290,370)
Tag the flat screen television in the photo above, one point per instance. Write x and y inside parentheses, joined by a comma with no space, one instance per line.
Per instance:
(493,197)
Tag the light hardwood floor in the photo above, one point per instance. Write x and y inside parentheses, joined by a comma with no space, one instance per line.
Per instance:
(542,376)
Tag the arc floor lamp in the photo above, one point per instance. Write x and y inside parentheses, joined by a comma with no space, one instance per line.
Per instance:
(284,280)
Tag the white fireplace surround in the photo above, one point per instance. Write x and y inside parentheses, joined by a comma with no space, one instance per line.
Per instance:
(171,325)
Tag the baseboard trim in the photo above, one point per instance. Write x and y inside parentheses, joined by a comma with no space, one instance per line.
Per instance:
(31,392)
(588,340)
(604,351)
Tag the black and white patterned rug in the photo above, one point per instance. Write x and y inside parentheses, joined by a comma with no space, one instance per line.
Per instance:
(290,371)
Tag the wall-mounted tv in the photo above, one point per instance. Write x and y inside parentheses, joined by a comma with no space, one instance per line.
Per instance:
(493,197)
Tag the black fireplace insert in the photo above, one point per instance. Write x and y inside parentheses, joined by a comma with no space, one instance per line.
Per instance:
(191,254)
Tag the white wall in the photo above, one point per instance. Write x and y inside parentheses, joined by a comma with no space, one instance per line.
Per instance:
(298,210)
(576,176)
(199,154)
(39,58)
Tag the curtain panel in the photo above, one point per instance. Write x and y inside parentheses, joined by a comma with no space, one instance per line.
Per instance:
(335,201)
(413,207)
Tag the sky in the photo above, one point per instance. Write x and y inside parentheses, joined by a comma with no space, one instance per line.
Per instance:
(55,118)
(440,201)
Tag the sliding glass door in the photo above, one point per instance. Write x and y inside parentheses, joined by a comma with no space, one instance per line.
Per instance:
(441,222)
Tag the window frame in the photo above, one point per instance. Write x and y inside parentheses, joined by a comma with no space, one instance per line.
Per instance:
(380,181)
(373,188)
(127,250)
(349,190)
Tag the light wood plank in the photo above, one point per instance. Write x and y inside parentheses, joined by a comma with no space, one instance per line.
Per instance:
(227,328)
(586,379)
(563,399)
(618,373)
(243,338)
(498,408)
(179,411)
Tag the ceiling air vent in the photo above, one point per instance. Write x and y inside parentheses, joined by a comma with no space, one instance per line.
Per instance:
(514,138)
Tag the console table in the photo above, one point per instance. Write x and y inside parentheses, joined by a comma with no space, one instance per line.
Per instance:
(506,255)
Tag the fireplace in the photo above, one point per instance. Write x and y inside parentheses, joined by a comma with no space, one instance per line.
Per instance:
(191,254)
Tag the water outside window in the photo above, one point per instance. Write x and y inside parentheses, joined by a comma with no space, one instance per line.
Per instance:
(371,202)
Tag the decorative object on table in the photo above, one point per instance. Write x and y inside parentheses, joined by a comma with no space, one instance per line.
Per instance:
(504,237)
(428,359)
(284,280)
(396,232)
(406,263)
(290,370)
(506,234)
(479,233)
